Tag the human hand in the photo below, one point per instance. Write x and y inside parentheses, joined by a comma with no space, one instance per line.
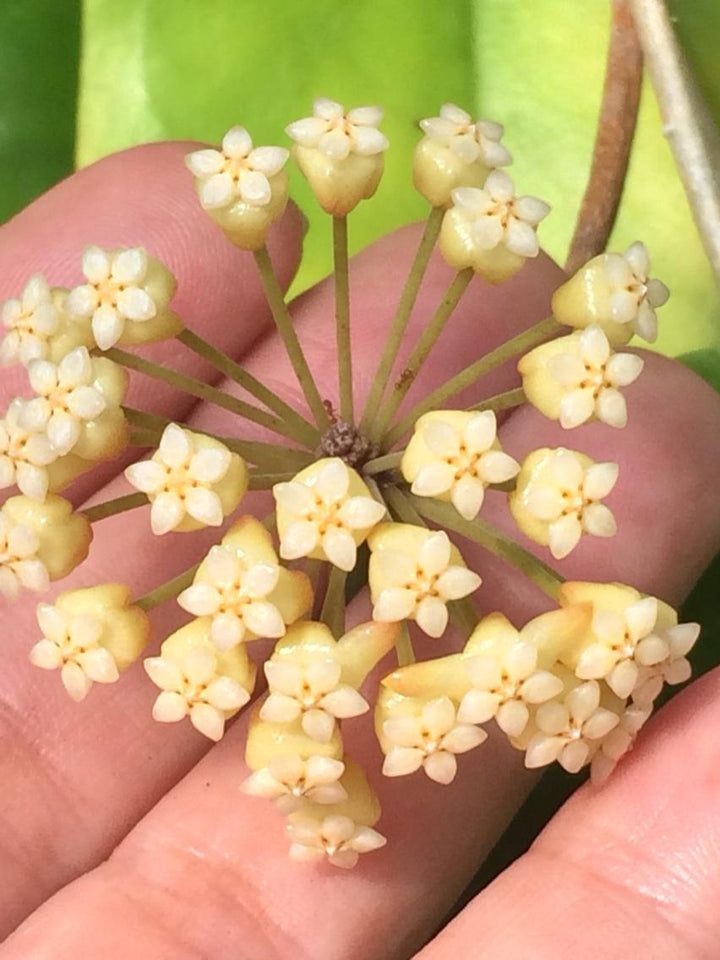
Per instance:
(143,830)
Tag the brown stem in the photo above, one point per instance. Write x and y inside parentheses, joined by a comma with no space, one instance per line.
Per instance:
(616,127)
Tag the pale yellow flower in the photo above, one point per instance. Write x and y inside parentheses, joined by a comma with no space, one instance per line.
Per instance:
(634,642)
(325,512)
(291,781)
(31,321)
(126,297)
(456,152)
(199,682)
(90,635)
(336,838)
(414,573)
(191,480)
(314,679)
(569,728)
(454,455)
(429,740)
(341,154)
(78,404)
(243,188)
(614,291)
(558,499)
(40,542)
(243,588)
(25,452)
(579,378)
(491,230)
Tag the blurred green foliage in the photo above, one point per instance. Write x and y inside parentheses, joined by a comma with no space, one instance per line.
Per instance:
(39,59)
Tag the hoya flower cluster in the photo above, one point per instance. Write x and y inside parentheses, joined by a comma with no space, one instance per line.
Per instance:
(376,501)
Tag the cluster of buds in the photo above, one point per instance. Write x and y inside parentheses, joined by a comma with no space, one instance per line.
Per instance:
(573,685)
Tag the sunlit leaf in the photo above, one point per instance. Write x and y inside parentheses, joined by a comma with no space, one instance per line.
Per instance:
(190,70)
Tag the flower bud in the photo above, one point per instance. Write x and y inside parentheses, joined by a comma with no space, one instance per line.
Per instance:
(614,291)
(341,155)
(125,298)
(92,635)
(455,152)
(491,230)
(243,189)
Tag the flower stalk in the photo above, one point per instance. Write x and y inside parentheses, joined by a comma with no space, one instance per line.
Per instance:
(167,591)
(422,350)
(283,321)
(342,318)
(471,374)
(333,608)
(203,391)
(304,432)
(130,501)
(399,322)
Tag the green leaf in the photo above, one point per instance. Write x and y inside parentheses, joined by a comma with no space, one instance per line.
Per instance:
(191,70)
(706,363)
(542,74)
(39,56)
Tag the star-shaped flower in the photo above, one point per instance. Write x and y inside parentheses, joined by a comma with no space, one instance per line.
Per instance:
(191,686)
(338,134)
(337,838)
(615,291)
(67,398)
(72,645)
(191,481)
(310,688)
(505,682)
(628,641)
(491,230)
(20,566)
(30,321)
(414,573)
(325,512)
(568,728)
(430,740)
(557,499)
(290,781)
(124,287)
(236,597)
(237,171)
(471,141)
(454,455)
(634,294)
(25,452)
(577,378)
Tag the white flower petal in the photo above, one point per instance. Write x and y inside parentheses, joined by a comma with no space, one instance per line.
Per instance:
(432,616)
(599,521)
(623,369)
(611,408)
(478,706)
(512,717)
(520,238)
(268,160)
(434,554)
(564,535)
(335,144)
(204,163)
(401,761)
(129,266)
(394,604)
(166,513)
(136,304)
(497,467)
(260,580)
(226,631)
(360,513)
(279,708)
(254,188)
(577,407)
(434,479)
(367,141)
(148,476)
(441,439)
(307,131)
(600,479)
(217,191)
(441,767)
(107,326)
(339,548)
(208,720)
(95,264)
(594,345)
(200,599)
(175,449)
(467,496)
(46,655)
(299,540)
(332,482)
(567,368)
(100,666)
(294,497)
(541,687)
(237,143)
(318,725)
(457,582)
(226,694)
(344,702)
(75,681)
(264,619)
